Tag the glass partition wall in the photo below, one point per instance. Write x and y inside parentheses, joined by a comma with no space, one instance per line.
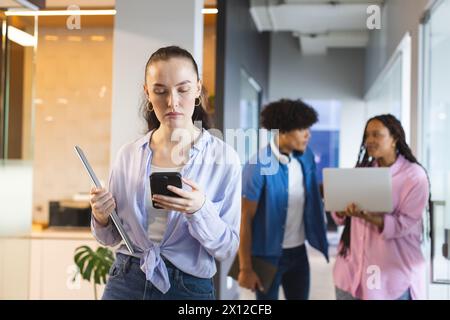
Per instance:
(55,92)
(73,107)
(391,92)
(435,137)
(17,69)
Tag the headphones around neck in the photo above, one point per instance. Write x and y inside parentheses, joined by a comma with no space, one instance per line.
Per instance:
(284,158)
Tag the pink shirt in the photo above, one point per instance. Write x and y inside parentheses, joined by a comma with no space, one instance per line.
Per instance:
(383,265)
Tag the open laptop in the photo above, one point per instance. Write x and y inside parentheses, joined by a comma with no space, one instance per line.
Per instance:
(369,188)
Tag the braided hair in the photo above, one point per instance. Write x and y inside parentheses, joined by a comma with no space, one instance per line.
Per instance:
(364,160)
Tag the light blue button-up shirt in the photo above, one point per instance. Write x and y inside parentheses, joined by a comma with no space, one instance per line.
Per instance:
(191,242)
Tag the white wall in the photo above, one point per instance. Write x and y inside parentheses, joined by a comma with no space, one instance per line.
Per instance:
(398,18)
(140,28)
(73,89)
(353,118)
(53,273)
(14,268)
(337,76)
(15,197)
(15,221)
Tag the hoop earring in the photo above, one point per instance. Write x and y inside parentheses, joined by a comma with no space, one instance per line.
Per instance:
(199,102)
(148,109)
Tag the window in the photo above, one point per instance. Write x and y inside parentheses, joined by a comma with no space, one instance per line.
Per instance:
(250,100)
(391,92)
(325,135)
(435,137)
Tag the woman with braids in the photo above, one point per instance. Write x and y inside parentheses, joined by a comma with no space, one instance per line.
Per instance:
(177,243)
(380,253)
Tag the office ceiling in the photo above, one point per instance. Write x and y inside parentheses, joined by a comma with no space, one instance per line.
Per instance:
(9,4)
(210,3)
(318,24)
(84,4)
(53,4)
(50,4)
(20,4)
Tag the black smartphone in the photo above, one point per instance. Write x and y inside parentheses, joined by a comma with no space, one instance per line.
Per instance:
(159,182)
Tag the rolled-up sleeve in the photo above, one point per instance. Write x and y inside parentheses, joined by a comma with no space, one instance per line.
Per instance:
(105,235)
(409,214)
(216,224)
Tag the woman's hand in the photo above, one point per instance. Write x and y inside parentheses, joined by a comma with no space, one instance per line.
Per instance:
(352,210)
(190,201)
(102,204)
(375,218)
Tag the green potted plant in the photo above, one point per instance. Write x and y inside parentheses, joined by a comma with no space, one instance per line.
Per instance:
(93,265)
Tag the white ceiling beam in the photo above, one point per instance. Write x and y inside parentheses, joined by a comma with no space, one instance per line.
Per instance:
(313,45)
(337,2)
(335,24)
(318,44)
(261,18)
(348,39)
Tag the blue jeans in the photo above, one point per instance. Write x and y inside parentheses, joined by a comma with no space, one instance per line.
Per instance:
(127,281)
(344,295)
(293,275)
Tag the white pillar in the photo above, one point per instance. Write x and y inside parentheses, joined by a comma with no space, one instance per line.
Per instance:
(140,28)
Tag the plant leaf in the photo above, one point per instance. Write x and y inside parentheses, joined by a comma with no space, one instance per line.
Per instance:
(94,265)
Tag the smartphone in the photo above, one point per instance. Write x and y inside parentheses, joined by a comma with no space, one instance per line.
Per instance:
(159,182)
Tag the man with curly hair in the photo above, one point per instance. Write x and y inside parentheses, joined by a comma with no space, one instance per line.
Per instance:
(282,209)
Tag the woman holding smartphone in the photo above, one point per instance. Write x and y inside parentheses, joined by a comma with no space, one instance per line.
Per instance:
(178,239)
(380,254)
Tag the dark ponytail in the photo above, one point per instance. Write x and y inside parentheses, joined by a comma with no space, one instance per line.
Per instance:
(200,110)
(396,131)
